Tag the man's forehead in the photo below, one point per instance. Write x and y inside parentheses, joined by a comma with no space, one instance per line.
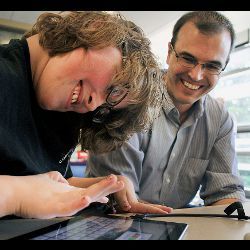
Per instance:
(189,32)
(215,45)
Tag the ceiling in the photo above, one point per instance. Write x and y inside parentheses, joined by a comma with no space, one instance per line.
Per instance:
(28,17)
(157,25)
(149,21)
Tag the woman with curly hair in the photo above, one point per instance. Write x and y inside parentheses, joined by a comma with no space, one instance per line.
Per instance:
(85,78)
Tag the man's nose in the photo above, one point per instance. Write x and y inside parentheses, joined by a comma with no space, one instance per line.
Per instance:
(197,72)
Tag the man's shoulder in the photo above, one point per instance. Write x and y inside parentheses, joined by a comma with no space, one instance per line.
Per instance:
(215,111)
(214,104)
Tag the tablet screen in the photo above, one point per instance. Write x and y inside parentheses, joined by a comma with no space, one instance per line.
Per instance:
(99,227)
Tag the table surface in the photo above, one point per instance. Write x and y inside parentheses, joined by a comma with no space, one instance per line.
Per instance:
(199,228)
(212,228)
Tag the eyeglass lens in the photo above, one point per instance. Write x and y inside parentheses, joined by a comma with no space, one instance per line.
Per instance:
(116,95)
(190,62)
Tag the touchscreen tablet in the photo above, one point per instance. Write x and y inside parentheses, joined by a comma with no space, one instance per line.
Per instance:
(101,227)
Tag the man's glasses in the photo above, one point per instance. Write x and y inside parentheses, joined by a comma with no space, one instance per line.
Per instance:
(191,62)
(115,96)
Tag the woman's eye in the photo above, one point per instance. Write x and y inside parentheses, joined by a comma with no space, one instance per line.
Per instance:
(115,92)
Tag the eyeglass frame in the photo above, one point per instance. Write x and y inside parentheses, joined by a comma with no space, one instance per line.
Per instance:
(107,106)
(196,62)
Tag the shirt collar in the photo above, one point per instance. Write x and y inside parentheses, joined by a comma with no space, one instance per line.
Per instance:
(198,108)
(168,104)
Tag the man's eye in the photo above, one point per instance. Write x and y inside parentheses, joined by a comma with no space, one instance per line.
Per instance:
(189,60)
(213,67)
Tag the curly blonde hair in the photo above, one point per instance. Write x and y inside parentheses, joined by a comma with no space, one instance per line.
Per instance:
(64,32)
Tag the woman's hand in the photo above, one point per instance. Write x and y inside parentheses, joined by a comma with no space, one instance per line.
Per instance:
(49,195)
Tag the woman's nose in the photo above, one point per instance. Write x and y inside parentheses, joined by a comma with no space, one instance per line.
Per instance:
(94,101)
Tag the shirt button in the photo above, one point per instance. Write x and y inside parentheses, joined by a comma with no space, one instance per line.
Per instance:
(173,155)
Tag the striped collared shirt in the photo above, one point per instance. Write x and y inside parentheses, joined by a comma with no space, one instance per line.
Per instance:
(171,162)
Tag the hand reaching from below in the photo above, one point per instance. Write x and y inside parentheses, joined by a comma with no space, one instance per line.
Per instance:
(127,201)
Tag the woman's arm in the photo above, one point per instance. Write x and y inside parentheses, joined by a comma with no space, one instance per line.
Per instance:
(7,197)
(84,182)
(49,195)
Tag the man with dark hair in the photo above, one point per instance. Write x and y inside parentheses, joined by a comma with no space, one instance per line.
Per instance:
(191,147)
(86,78)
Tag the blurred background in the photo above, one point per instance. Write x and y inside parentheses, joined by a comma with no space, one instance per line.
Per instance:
(233,87)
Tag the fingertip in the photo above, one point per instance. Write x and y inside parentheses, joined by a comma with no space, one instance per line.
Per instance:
(104,200)
(125,207)
(169,209)
(111,178)
(166,209)
(121,184)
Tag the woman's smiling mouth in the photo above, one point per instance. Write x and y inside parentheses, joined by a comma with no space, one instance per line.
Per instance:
(76,93)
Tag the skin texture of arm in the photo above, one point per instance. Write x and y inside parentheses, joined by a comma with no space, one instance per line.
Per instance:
(49,195)
(84,182)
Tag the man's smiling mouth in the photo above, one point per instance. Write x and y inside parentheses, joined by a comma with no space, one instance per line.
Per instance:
(190,86)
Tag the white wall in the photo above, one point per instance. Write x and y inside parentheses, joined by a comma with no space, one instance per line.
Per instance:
(159,40)
(240,19)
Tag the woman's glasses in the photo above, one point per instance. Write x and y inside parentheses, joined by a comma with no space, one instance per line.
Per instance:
(115,96)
